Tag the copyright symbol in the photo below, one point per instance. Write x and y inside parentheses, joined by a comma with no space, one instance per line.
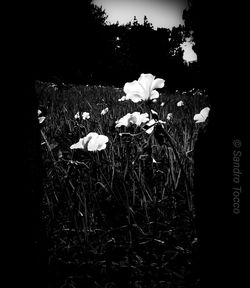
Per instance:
(237,143)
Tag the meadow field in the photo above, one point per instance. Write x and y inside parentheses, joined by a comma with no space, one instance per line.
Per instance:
(121,216)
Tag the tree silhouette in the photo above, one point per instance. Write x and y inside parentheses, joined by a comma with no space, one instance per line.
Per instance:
(131,49)
(77,45)
(196,22)
(65,41)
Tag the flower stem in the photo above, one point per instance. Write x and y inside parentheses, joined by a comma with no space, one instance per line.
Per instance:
(48,146)
(188,191)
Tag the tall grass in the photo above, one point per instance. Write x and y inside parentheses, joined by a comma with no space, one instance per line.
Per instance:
(116,211)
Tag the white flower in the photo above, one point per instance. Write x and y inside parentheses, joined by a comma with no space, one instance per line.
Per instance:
(78,145)
(180,103)
(169,116)
(154,161)
(85,115)
(77,116)
(162,104)
(138,119)
(104,111)
(91,142)
(40,118)
(123,98)
(202,116)
(134,118)
(151,124)
(95,142)
(144,88)
(124,121)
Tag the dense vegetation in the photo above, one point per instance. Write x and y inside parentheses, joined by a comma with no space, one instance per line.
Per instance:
(123,216)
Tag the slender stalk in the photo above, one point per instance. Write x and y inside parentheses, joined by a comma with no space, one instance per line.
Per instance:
(48,147)
(182,170)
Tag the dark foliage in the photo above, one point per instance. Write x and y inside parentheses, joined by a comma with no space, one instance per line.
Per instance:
(218,228)
(74,44)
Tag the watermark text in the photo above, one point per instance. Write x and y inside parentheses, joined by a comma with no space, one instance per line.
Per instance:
(236,175)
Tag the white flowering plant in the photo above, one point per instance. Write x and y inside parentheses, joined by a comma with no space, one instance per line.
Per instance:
(118,169)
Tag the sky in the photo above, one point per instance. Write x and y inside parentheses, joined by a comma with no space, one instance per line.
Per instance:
(161,13)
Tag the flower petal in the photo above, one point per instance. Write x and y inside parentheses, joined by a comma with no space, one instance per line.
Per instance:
(204,112)
(146,81)
(144,117)
(88,138)
(135,97)
(133,88)
(41,119)
(157,83)
(97,143)
(154,95)
(101,146)
(134,118)
(124,121)
(78,145)
(92,144)
(199,118)
(102,140)
(137,118)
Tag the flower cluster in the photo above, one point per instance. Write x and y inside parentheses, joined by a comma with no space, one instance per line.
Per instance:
(142,89)
(85,115)
(104,111)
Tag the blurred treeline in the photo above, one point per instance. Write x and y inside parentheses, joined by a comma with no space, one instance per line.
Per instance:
(76,45)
